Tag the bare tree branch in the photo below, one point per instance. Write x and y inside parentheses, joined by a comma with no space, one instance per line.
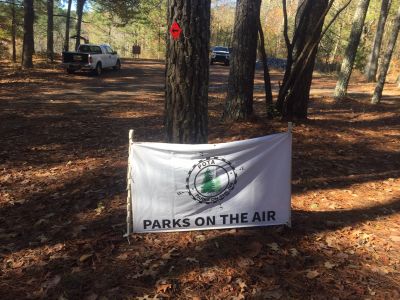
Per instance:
(285,29)
(335,17)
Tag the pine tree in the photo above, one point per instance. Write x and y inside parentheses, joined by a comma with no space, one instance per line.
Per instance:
(79,12)
(67,24)
(186,88)
(28,47)
(208,185)
(239,100)
(50,29)
(13,31)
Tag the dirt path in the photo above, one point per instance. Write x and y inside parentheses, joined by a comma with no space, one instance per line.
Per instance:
(63,151)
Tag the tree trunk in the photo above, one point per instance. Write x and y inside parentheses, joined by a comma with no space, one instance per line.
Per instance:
(267,79)
(372,65)
(295,91)
(28,45)
(67,25)
(239,101)
(376,98)
(187,72)
(332,58)
(50,29)
(79,12)
(299,96)
(13,31)
(351,50)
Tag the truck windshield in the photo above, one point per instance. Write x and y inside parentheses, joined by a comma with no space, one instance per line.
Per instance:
(89,49)
(220,49)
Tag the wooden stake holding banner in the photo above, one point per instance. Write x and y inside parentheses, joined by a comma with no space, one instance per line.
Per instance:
(289,224)
(128,189)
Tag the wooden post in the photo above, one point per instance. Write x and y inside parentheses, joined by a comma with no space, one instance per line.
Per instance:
(289,224)
(128,189)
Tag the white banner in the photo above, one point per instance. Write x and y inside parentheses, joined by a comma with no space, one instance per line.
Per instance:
(176,187)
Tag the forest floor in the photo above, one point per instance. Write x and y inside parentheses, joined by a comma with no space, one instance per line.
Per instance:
(63,161)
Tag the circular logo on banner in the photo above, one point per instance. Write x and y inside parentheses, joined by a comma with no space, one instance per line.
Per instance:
(211,180)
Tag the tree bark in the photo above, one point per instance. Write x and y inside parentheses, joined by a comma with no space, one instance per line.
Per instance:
(67,25)
(13,31)
(187,72)
(351,50)
(295,91)
(299,97)
(79,12)
(372,65)
(267,79)
(376,98)
(239,101)
(50,29)
(28,45)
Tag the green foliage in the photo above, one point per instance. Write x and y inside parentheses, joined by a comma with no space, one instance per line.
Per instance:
(6,26)
(340,30)
(40,27)
(145,27)
(222,20)
(126,10)
(123,23)
(210,184)
(362,56)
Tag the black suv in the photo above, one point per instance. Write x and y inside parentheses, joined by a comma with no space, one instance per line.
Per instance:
(220,54)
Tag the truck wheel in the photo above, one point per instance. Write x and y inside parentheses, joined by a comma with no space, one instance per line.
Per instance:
(70,71)
(117,65)
(98,69)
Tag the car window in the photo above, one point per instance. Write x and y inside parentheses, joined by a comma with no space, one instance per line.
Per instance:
(84,48)
(89,49)
(223,49)
(96,49)
(109,50)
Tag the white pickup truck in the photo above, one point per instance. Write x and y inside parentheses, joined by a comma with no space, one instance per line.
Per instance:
(93,58)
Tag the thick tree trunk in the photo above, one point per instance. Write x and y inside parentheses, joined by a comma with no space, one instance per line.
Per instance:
(239,101)
(295,91)
(50,29)
(13,31)
(67,25)
(351,50)
(79,12)
(28,46)
(372,65)
(187,72)
(376,98)
(298,98)
(267,79)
